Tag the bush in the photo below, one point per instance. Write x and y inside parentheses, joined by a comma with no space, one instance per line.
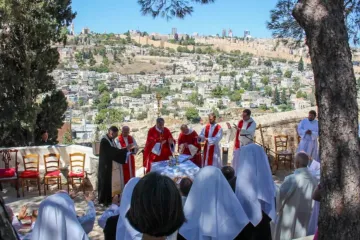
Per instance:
(192,114)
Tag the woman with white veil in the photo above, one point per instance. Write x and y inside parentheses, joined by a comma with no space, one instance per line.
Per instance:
(57,220)
(212,209)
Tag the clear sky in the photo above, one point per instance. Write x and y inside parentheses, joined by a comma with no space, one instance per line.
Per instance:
(118,16)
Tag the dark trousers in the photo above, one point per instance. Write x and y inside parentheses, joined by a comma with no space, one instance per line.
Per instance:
(261,232)
(110,228)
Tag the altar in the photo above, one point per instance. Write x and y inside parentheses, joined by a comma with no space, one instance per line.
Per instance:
(176,172)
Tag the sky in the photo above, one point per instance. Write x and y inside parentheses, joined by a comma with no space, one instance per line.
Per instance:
(119,16)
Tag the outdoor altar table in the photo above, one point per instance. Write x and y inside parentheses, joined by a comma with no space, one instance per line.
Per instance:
(184,169)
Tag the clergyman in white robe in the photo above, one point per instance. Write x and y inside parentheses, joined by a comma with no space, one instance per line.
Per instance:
(309,142)
(213,141)
(294,202)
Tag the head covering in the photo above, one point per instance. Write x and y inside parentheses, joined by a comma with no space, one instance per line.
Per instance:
(57,220)
(124,231)
(212,209)
(255,186)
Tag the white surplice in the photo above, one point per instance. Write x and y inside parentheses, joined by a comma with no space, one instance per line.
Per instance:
(314,168)
(294,205)
(211,209)
(247,134)
(213,141)
(57,220)
(118,145)
(255,187)
(309,142)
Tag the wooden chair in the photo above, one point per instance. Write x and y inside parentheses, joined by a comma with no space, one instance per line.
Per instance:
(52,170)
(298,139)
(282,154)
(77,169)
(9,174)
(31,172)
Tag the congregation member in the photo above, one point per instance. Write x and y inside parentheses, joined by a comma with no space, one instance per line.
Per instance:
(113,210)
(127,170)
(245,130)
(189,146)
(156,211)
(16,220)
(159,145)
(185,187)
(294,201)
(229,174)
(87,221)
(7,231)
(308,131)
(110,158)
(44,141)
(125,231)
(57,220)
(211,135)
(314,168)
(256,192)
(212,210)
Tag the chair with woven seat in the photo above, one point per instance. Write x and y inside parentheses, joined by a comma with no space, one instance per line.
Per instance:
(77,170)
(9,172)
(282,154)
(52,171)
(31,172)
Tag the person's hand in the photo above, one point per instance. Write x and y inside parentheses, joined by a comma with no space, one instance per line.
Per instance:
(130,147)
(90,197)
(163,142)
(186,145)
(34,215)
(308,132)
(23,212)
(171,141)
(116,200)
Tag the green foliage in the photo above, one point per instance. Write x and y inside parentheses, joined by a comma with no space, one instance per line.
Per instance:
(279,72)
(296,83)
(268,91)
(51,115)
(67,138)
(100,69)
(286,107)
(142,116)
(235,96)
(268,63)
(136,93)
(102,87)
(28,31)
(283,97)
(109,116)
(192,115)
(196,99)
(288,74)
(219,92)
(301,94)
(276,97)
(301,65)
(265,80)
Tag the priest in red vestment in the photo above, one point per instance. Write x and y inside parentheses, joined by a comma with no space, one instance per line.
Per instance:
(211,135)
(189,145)
(245,130)
(159,145)
(127,170)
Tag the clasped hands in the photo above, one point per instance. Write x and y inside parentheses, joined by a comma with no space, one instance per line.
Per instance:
(170,140)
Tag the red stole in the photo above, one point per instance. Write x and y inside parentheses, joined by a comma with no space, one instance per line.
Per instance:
(191,138)
(154,136)
(211,147)
(129,167)
(240,125)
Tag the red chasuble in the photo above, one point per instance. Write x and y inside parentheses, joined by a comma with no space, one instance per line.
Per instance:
(129,167)
(240,125)
(191,139)
(154,136)
(211,147)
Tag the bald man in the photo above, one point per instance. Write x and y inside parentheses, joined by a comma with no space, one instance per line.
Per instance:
(127,170)
(294,201)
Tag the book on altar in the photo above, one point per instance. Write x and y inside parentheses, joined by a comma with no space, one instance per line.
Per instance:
(183,157)
(156,149)
(193,150)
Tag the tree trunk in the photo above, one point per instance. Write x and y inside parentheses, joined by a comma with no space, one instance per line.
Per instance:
(328,42)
